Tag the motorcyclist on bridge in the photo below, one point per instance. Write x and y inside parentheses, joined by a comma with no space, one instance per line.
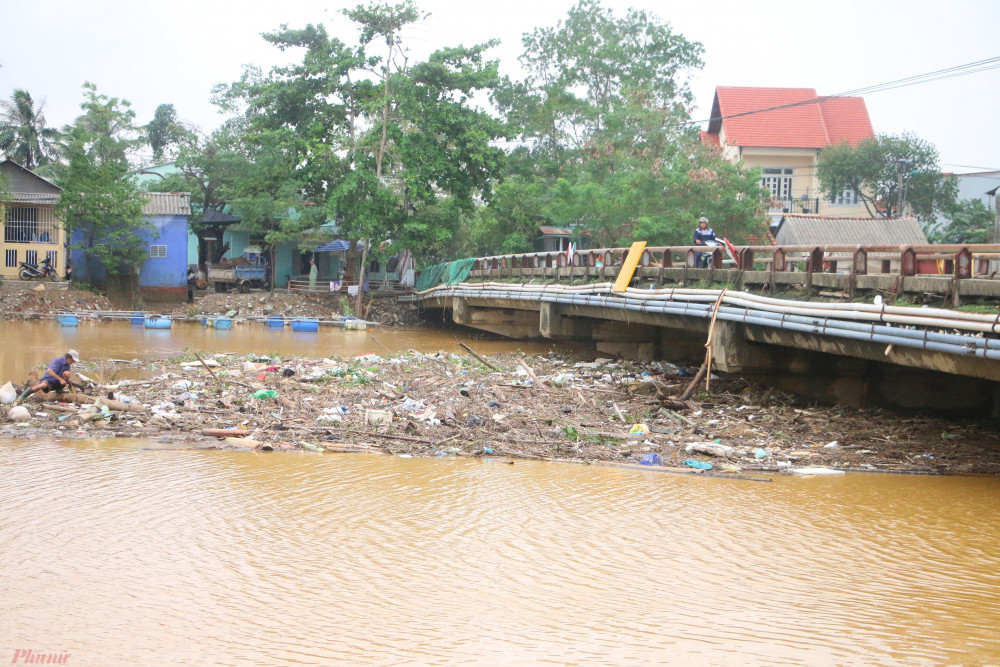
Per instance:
(702,235)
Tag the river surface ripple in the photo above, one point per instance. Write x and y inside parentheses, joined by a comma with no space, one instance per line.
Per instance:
(119,552)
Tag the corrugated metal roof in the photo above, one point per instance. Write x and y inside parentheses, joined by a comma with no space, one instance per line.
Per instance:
(33,198)
(555,231)
(823,230)
(167,203)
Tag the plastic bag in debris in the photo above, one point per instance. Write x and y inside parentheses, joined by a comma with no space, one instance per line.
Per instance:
(369,358)
(698,465)
(329,418)
(651,460)
(561,380)
(7,393)
(265,394)
(183,384)
(411,405)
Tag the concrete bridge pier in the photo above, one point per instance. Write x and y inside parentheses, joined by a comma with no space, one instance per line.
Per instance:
(633,337)
(508,322)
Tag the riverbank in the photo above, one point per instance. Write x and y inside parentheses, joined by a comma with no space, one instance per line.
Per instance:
(19,302)
(528,407)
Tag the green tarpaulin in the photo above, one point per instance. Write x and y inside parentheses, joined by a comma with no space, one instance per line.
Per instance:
(448,273)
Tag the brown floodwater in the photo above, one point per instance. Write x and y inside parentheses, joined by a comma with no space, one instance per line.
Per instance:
(26,345)
(119,553)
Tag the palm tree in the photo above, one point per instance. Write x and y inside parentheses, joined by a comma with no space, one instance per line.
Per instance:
(23,135)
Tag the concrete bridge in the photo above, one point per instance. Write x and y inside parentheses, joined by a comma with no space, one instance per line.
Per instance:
(785,315)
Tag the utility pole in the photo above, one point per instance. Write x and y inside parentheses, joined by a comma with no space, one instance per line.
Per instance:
(900,169)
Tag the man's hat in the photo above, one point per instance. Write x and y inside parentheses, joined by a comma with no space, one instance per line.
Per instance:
(74,354)
(703,219)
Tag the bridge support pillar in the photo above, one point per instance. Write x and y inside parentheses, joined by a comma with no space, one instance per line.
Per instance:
(733,353)
(508,322)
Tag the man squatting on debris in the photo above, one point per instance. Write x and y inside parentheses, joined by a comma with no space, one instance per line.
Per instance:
(56,375)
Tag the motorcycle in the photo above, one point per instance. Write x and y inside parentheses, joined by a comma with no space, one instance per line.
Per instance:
(30,271)
(704,258)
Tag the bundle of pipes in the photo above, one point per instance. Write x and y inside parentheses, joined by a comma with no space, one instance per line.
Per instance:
(858,321)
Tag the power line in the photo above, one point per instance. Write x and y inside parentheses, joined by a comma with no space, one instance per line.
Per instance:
(927,77)
(970,166)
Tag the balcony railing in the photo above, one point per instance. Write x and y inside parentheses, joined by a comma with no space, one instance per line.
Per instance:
(800,205)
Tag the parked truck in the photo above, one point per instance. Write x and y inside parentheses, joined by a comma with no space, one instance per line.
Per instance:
(244,274)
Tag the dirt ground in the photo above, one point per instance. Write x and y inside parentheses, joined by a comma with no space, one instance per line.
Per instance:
(525,407)
(26,303)
(33,302)
(384,310)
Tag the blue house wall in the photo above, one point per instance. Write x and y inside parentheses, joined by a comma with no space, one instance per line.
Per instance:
(160,278)
(165,278)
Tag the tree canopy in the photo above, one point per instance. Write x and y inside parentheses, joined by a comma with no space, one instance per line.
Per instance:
(968,221)
(891,175)
(24,136)
(607,147)
(165,133)
(100,200)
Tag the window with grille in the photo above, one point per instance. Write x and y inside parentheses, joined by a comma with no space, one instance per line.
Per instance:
(846,198)
(778,181)
(158,251)
(30,224)
(52,256)
(31,257)
(11,258)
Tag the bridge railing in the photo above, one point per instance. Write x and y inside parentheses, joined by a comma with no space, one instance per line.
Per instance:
(961,261)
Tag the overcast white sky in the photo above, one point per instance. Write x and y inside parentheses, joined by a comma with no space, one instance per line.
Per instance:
(173,52)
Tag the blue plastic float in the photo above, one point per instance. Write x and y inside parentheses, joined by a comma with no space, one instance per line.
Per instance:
(222,323)
(138,318)
(158,322)
(276,321)
(68,320)
(305,325)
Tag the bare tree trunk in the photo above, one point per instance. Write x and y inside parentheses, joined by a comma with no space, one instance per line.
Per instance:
(379,154)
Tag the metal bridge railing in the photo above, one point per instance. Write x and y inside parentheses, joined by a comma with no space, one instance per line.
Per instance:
(961,261)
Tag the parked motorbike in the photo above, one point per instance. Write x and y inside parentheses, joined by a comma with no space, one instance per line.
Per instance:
(30,271)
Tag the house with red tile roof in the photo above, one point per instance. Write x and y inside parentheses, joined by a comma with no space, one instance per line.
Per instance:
(783,131)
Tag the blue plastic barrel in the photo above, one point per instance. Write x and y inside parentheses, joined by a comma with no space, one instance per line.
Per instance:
(305,325)
(138,318)
(222,323)
(158,322)
(68,320)
(276,321)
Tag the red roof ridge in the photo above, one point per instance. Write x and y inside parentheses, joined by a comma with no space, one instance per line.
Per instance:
(786,118)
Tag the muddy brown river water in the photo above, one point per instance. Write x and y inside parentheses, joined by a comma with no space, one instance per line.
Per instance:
(25,345)
(125,552)
(118,553)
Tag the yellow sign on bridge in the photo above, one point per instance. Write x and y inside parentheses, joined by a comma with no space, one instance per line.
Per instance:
(629,266)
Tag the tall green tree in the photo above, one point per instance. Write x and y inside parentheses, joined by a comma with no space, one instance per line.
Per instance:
(608,150)
(100,203)
(265,188)
(381,141)
(207,168)
(891,175)
(24,136)
(165,133)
